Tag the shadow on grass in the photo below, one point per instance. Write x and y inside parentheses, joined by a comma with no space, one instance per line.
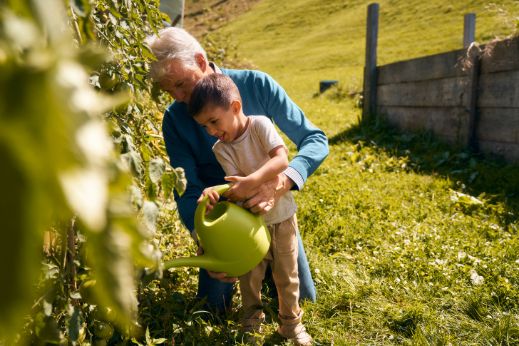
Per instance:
(170,310)
(479,175)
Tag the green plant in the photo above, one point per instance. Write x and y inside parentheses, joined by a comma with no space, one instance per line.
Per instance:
(82,157)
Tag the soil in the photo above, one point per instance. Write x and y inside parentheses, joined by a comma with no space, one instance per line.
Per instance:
(202,16)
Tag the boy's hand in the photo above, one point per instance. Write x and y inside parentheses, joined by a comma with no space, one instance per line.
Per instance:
(241,188)
(213,197)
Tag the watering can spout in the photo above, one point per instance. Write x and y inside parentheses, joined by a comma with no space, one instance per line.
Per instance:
(203,261)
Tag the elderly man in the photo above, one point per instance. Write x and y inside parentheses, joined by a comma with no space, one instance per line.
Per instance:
(181,62)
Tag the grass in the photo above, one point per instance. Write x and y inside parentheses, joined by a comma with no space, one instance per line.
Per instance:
(399,244)
(411,241)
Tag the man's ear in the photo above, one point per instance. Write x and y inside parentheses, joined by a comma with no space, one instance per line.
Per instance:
(201,62)
(236,106)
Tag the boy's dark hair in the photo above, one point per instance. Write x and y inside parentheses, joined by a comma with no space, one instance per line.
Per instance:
(215,90)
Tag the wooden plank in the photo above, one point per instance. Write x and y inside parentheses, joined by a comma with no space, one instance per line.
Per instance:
(500,89)
(448,123)
(437,66)
(499,125)
(500,56)
(509,151)
(431,93)
(370,67)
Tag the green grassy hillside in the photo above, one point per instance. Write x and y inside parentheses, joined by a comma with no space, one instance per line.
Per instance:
(307,39)
(303,41)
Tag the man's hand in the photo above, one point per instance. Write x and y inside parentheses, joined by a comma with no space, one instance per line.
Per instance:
(262,199)
(216,275)
(222,277)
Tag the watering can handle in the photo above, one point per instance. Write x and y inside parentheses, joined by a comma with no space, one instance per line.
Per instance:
(203,203)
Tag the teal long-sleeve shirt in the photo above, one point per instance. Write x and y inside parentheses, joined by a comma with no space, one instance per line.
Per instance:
(190,146)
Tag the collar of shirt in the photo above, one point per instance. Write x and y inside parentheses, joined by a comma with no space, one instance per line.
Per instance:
(214,67)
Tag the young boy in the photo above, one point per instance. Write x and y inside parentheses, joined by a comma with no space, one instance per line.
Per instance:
(251,152)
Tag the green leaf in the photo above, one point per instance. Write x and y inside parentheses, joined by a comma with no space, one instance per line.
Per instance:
(150,213)
(180,181)
(134,163)
(110,256)
(156,168)
(168,183)
(47,308)
(19,253)
(136,196)
(159,341)
(148,338)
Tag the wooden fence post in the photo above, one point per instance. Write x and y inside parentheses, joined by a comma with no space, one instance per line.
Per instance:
(469,36)
(370,68)
(475,62)
(469,29)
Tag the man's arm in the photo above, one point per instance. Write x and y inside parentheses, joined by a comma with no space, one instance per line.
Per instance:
(311,142)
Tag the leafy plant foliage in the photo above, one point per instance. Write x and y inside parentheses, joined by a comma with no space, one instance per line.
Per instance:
(83,175)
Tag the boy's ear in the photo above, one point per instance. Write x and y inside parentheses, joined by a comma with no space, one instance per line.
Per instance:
(236,106)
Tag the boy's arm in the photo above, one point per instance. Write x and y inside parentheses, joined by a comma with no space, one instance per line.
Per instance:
(265,136)
(277,163)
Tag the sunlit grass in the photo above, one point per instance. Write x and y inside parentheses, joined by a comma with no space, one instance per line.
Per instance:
(408,245)
(410,241)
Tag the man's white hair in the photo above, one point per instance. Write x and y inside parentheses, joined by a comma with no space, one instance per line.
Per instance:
(172,43)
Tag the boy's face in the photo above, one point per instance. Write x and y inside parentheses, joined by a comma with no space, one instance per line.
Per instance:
(220,122)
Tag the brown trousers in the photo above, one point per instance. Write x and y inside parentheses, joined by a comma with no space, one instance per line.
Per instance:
(282,257)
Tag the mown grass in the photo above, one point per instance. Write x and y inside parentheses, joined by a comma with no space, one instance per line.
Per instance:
(404,252)
(411,241)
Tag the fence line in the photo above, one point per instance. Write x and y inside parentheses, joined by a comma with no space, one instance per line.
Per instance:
(468,97)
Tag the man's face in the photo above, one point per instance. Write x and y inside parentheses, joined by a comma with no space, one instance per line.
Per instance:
(181,80)
(219,122)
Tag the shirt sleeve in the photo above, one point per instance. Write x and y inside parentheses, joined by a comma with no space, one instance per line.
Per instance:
(180,155)
(311,142)
(266,133)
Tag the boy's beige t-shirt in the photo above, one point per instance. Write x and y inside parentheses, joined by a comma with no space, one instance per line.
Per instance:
(248,153)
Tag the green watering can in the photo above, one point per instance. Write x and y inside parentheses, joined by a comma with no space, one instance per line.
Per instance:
(234,239)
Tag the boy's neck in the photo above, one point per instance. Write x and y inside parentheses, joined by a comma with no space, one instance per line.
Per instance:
(243,123)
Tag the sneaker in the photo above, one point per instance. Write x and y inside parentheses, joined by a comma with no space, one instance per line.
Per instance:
(296,334)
